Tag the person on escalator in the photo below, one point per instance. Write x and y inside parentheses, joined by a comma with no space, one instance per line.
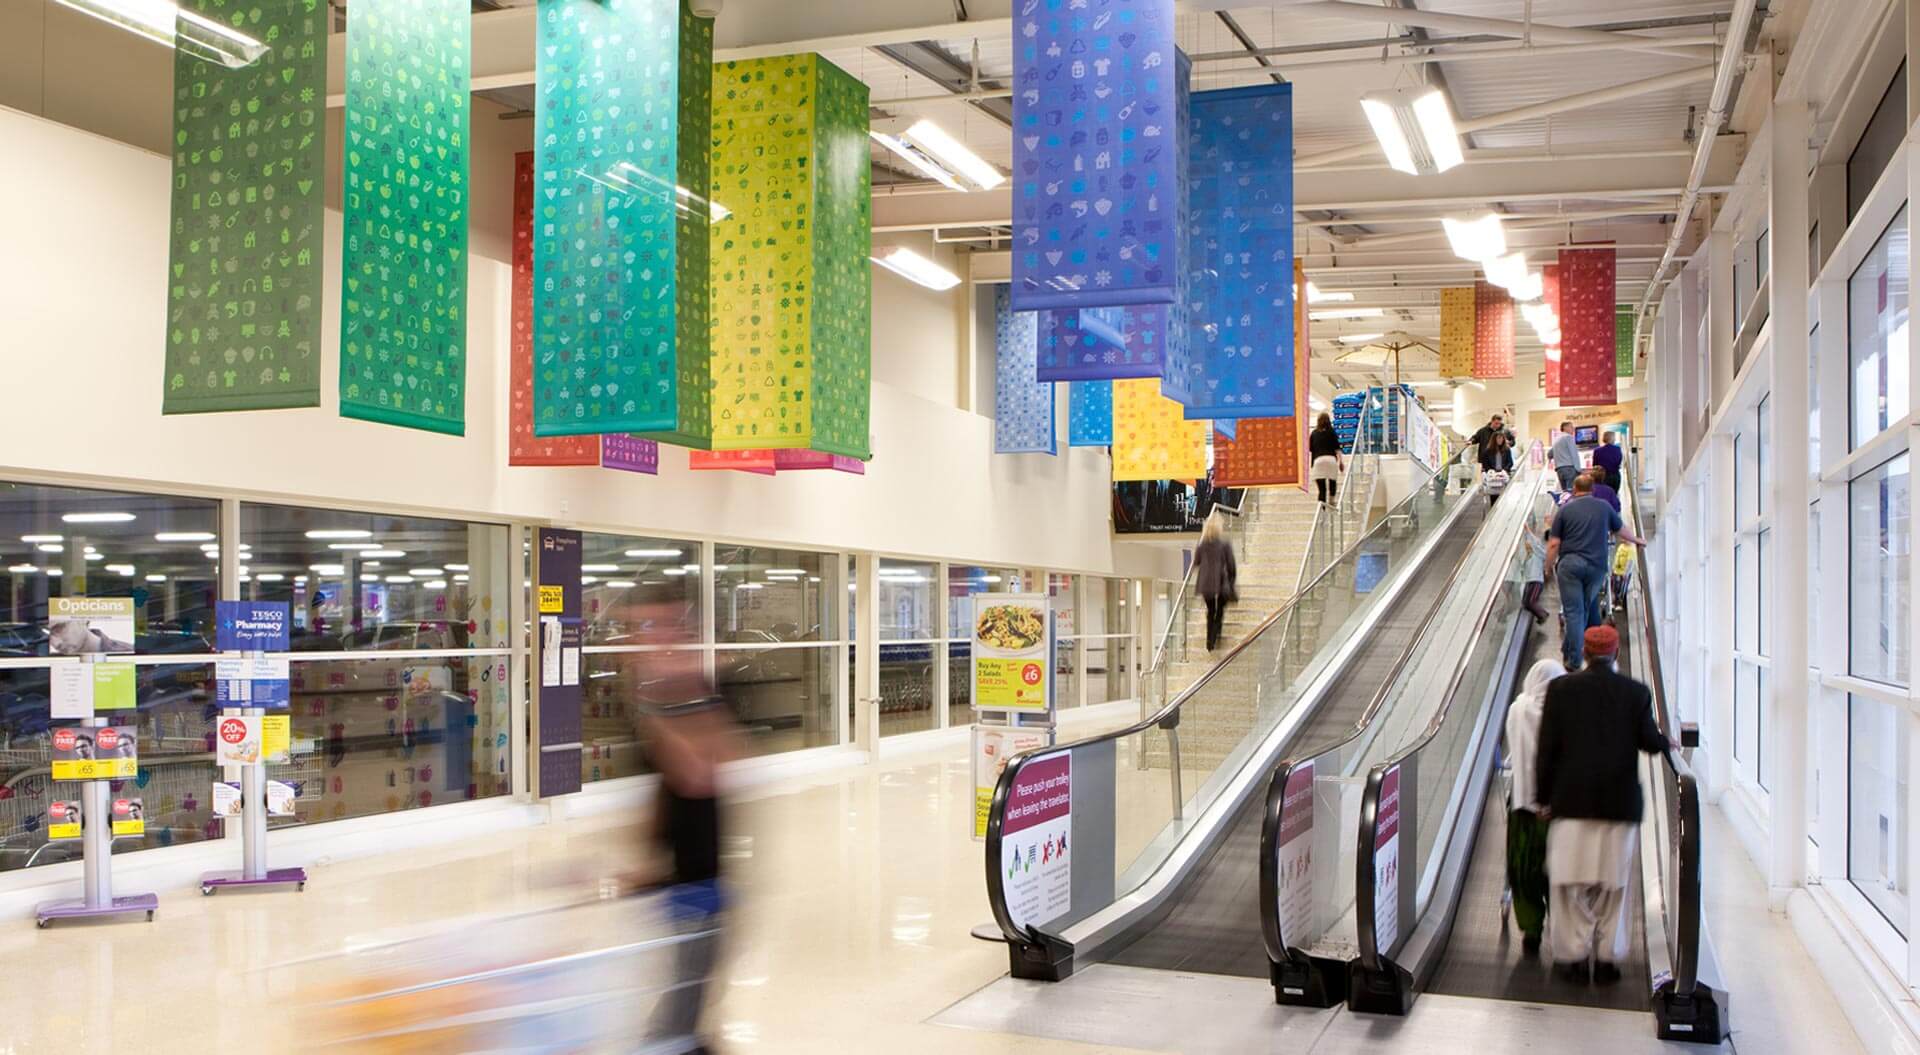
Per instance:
(1566,456)
(1593,728)
(1608,458)
(1535,573)
(1215,575)
(1496,466)
(1526,829)
(1323,446)
(1579,559)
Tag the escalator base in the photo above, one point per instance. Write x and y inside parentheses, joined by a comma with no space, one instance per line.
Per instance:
(1387,991)
(1309,981)
(1044,958)
(1698,1018)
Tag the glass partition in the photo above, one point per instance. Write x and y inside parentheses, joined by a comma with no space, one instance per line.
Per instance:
(965,582)
(776,644)
(640,602)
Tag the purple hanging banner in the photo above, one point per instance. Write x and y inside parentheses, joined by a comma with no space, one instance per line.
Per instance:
(1095,182)
(1103,344)
(629,453)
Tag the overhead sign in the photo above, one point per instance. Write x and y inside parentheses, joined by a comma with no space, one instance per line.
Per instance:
(1012,654)
(87,753)
(1036,872)
(253,626)
(81,625)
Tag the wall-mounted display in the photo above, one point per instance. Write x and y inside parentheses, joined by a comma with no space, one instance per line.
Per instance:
(523,447)
(1492,331)
(1095,185)
(792,286)
(403,296)
(1457,331)
(1152,438)
(1588,327)
(1023,420)
(244,240)
(1090,413)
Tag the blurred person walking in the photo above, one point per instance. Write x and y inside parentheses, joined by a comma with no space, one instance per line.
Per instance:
(1593,728)
(1534,576)
(1323,448)
(1566,456)
(1526,829)
(1608,458)
(1579,558)
(1215,575)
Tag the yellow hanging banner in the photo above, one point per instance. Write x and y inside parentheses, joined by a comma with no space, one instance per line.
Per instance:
(1152,438)
(1457,317)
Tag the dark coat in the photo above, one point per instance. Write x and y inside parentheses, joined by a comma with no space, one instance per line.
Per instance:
(1595,725)
(1214,571)
(1496,459)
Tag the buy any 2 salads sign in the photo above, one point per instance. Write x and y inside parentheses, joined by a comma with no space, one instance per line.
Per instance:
(1012,651)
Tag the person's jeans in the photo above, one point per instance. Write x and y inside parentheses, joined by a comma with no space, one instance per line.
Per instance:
(1566,473)
(1583,593)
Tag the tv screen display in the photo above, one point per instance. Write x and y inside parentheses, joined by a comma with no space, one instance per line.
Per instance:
(1586,435)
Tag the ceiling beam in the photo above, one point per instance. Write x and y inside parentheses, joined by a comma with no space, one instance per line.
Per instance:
(1529,31)
(932,62)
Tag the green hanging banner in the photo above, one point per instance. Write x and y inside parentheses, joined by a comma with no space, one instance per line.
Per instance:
(403,297)
(1624,320)
(792,289)
(243,276)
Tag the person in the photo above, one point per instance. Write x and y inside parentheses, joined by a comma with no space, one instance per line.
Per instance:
(1601,490)
(1526,829)
(1579,559)
(1496,465)
(1323,446)
(1608,457)
(1566,456)
(1592,729)
(1215,575)
(1495,426)
(1535,573)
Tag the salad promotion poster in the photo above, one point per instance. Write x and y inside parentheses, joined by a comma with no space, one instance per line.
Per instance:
(1012,654)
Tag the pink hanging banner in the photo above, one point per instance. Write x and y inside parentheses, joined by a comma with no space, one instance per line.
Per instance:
(759,462)
(1550,276)
(1588,353)
(787,460)
(523,448)
(629,453)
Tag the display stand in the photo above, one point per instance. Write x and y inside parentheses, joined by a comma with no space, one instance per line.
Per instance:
(253,825)
(96,846)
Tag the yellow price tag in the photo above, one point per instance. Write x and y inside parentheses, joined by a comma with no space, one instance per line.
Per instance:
(553,600)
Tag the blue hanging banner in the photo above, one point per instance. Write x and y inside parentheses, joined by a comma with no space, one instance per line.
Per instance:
(1103,344)
(1022,406)
(1240,262)
(1226,427)
(1090,414)
(1095,154)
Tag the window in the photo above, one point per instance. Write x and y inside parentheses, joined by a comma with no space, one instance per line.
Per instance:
(1813,403)
(905,594)
(1878,599)
(149,548)
(1877,334)
(1762,453)
(1746,720)
(1878,143)
(1876,805)
(1108,636)
(776,648)
(965,583)
(1062,596)
(640,602)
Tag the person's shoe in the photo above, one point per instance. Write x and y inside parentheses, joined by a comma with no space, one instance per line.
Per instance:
(1577,973)
(1606,973)
(1530,946)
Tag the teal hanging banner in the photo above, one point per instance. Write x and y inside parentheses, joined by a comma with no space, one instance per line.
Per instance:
(403,297)
(244,248)
(694,295)
(605,208)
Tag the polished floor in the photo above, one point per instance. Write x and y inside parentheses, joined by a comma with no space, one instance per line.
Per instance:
(858,888)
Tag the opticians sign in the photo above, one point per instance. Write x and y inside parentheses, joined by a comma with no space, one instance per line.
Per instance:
(1012,652)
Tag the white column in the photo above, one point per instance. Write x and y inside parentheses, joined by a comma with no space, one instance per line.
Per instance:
(1717,507)
(1786,613)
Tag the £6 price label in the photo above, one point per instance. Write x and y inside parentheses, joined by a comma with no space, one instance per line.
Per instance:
(1030,673)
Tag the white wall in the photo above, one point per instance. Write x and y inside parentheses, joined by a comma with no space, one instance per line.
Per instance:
(82,318)
(1517,397)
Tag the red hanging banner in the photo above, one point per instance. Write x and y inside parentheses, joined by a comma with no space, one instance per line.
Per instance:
(759,462)
(1550,276)
(1588,353)
(522,446)
(1492,331)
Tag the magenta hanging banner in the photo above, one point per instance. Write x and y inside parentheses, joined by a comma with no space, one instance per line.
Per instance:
(790,460)
(629,453)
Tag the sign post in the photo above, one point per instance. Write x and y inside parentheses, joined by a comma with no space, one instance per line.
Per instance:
(1011,658)
(247,737)
(92,752)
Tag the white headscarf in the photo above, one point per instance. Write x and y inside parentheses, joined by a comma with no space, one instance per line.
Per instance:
(1523,729)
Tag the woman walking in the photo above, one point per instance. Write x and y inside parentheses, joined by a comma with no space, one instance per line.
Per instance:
(1323,446)
(1215,575)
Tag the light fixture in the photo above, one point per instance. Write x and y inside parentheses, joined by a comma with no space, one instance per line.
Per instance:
(786,571)
(600,567)
(436,584)
(384,554)
(1533,287)
(897,573)
(916,268)
(1346,313)
(427,573)
(717,567)
(123,569)
(1359,338)
(184,536)
(369,578)
(689,567)
(299,580)
(674,571)
(1316,296)
(55,573)
(353,545)
(1506,271)
(621,584)
(751,586)
(589,580)
(43,538)
(398,579)
(457,567)
(650,553)
(270,576)
(97,518)
(1481,238)
(1415,129)
(165,23)
(460,578)
(914,156)
(333,533)
(370,564)
(50,547)
(954,154)
(22,569)
(95,556)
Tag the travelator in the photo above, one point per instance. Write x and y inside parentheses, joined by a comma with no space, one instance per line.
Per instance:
(1425,863)
(1161,865)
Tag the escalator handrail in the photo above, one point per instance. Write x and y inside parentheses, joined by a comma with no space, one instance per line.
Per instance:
(1277,949)
(1167,715)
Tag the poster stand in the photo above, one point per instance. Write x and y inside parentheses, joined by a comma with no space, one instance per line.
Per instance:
(253,824)
(96,848)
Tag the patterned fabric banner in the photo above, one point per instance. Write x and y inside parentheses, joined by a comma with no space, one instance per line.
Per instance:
(1457,333)
(1022,407)
(1587,325)
(1550,282)
(1094,183)
(1625,321)
(1226,427)
(244,247)
(1239,256)
(523,447)
(1492,331)
(604,258)
(1302,374)
(403,313)
(758,462)
(1103,344)
(792,289)
(1152,438)
(786,461)
(693,285)
(630,453)
(1265,453)
(1090,414)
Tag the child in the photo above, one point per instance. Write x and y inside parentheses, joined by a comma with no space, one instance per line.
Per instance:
(1535,573)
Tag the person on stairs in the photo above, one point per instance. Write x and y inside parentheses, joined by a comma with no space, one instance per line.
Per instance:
(1323,447)
(1526,829)
(1215,575)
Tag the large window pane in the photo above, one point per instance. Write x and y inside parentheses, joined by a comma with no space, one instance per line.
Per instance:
(905,594)
(1876,805)
(1878,142)
(783,696)
(1877,334)
(1746,581)
(1746,719)
(1762,574)
(1878,554)
(768,596)
(640,591)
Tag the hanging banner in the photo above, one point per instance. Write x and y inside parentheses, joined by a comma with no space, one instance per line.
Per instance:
(792,288)
(403,296)
(1095,184)
(1103,344)
(786,461)
(630,454)
(693,349)
(1266,452)
(1550,282)
(1153,439)
(1492,331)
(1587,327)
(605,171)
(1090,414)
(1228,428)
(1625,321)
(1022,406)
(1240,255)
(523,447)
(758,462)
(244,241)
(1302,376)
(1457,333)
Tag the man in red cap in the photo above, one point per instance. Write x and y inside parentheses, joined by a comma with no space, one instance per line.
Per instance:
(1587,777)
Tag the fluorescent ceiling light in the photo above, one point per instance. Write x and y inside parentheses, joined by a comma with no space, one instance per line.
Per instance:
(96,556)
(43,538)
(1380,110)
(353,545)
(164,23)
(1359,338)
(786,571)
(384,554)
(55,573)
(183,536)
(1435,118)
(751,586)
(896,572)
(689,567)
(1345,313)
(954,154)
(427,573)
(334,533)
(460,578)
(589,580)
(989,578)
(398,579)
(1415,129)
(369,578)
(630,553)
(916,268)
(1506,271)
(621,584)
(921,162)
(1316,296)
(97,518)
(674,571)
(1531,288)
(123,569)
(599,567)
(436,584)
(1481,238)
(50,547)
(327,569)
(457,567)
(300,580)
(370,564)
(23,569)
(270,576)
(717,567)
